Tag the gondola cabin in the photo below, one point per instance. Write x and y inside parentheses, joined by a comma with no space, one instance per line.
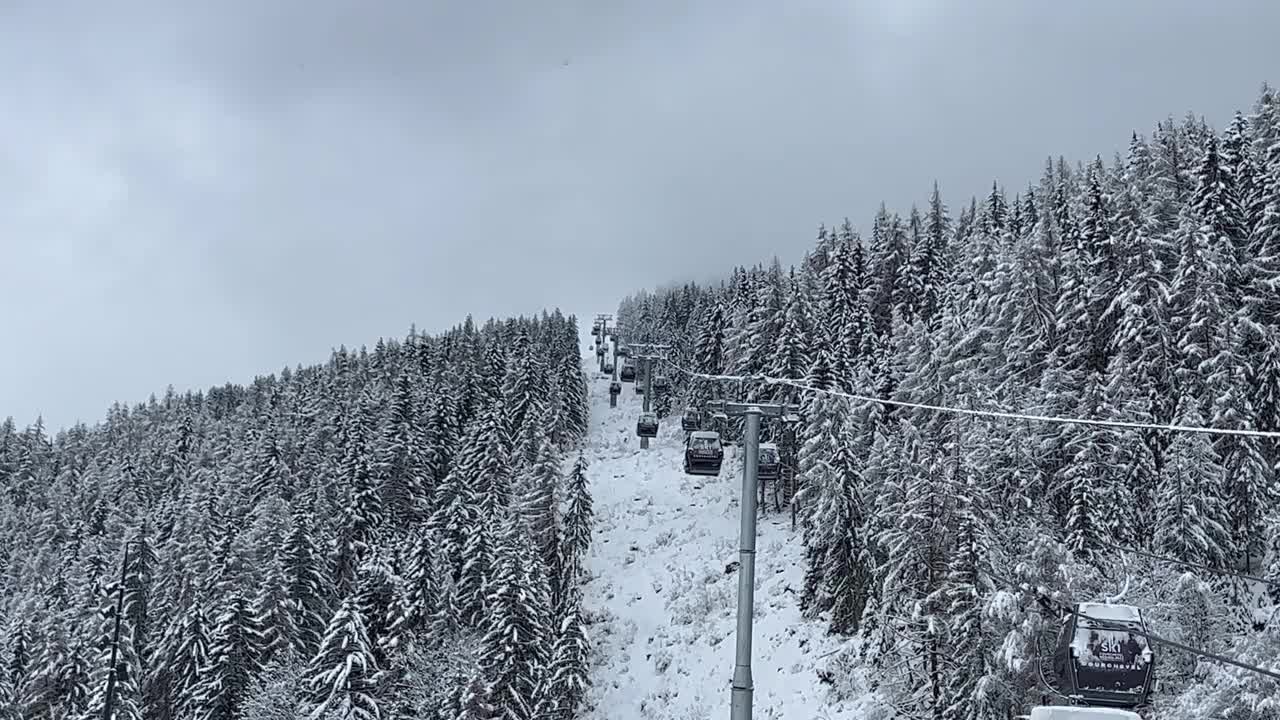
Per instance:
(1103,657)
(691,420)
(624,351)
(769,462)
(608,368)
(703,453)
(661,385)
(627,373)
(647,425)
(615,388)
(1076,712)
(720,423)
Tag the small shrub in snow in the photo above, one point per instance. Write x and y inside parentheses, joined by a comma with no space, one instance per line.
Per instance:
(844,668)
(664,539)
(661,661)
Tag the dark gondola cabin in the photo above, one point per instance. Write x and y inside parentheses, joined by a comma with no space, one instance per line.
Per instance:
(627,373)
(647,425)
(661,384)
(703,453)
(1103,657)
(608,368)
(720,424)
(769,463)
(691,420)
(624,351)
(615,388)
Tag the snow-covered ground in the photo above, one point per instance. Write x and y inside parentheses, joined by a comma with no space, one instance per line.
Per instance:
(665,605)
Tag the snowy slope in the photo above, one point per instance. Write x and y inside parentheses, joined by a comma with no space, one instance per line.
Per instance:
(665,631)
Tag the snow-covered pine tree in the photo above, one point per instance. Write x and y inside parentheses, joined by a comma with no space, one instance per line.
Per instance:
(1190,520)
(567,677)
(541,509)
(402,457)
(523,388)
(516,645)
(307,588)
(273,611)
(342,680)
(127,698)
(578,519)
(235,649)
(182,654)
(838,523)
(710,353)
(572,388)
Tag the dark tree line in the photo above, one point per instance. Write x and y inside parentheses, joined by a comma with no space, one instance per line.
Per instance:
(387,535)
(1141,289)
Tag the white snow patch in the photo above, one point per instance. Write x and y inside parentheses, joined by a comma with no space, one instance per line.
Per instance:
(1103,611)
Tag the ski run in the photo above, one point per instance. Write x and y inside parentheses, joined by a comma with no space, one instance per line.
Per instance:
(660,594)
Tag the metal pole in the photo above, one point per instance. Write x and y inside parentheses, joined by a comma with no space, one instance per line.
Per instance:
(600,346)
(648,392)
(613,398)
(599,330)
(115,640)
(742,683)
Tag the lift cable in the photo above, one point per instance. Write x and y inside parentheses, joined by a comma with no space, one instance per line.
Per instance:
(1187,563)
(983,413)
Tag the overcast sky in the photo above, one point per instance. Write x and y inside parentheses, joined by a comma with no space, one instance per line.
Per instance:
(197,192)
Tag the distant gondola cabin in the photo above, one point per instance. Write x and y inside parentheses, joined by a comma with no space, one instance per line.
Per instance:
(647,425)
(691,420)
(769,462)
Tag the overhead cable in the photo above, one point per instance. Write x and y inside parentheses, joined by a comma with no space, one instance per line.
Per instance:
(1275,435)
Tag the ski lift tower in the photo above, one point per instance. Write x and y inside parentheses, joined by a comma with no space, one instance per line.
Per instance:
(742,683)
(615,387)
(602,321)
(647,354)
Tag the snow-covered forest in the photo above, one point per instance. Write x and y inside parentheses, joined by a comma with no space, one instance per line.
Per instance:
(1141,288)
(397,533)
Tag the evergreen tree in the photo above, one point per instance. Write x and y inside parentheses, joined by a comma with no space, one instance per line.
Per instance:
(342,679)
(515,646)
(542,514)
(404,492)
(578,518)
(127,698)
(235,650)
(567,676)
(306,588)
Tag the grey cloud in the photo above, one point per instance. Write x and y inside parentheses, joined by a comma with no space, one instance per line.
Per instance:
(198,192)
